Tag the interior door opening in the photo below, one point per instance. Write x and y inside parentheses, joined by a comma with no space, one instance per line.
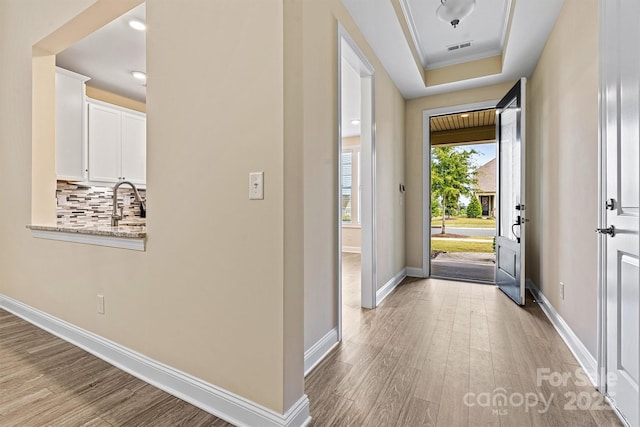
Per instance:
(356,185)
(462,220)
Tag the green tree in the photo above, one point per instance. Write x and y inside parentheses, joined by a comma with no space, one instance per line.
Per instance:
(474,210)
(452,175)
(435,205)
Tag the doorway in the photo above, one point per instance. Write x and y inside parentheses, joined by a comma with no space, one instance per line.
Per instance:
(356,184)
(463,181)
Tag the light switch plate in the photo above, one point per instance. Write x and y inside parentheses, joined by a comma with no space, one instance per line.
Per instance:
(256,186)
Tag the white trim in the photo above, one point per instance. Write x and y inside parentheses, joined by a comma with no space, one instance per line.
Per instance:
(384,291)
(602,172)
(426,171)
(208,397)
(356,58)
(319,350)
(351,249)
(415,272)
(72,74)
(584,357)
(462,60)
(411,23)
(613,406)
(132,243)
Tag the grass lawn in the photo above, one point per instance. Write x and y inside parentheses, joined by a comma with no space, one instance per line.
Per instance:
(461,246)
(465,222)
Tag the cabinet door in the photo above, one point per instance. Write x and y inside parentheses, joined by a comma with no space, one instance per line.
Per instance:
(104,143)
(134,148)
(69,127)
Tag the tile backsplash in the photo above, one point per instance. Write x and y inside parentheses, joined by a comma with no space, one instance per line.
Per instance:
(78,204)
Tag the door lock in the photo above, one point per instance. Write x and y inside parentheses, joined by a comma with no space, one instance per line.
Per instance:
(611,231)
(611,204)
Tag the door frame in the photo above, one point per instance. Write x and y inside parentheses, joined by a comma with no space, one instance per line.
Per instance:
(368,158)
(426,170)
(601,305)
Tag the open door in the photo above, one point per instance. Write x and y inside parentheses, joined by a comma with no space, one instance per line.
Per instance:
(620,209)
(510,225)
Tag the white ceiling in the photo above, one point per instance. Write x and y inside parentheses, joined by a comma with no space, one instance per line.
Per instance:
(351,100)
(485,29)
(530,28)
(109,55)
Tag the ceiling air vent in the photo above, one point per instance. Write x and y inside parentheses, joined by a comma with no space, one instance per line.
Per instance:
(458,46)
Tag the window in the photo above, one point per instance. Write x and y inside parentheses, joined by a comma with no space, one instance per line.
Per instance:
(350,189)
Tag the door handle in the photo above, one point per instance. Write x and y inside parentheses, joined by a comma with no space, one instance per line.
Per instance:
(611,231)
(610,204)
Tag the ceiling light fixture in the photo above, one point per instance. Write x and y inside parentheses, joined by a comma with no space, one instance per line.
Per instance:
(139,75)
(464,116)
(137,24)
(355,122)
(454,11)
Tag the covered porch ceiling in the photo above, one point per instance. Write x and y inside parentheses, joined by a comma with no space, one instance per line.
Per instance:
(464,128)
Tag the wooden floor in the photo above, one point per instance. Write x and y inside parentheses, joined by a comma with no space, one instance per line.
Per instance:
(408,363)
(45,381)
(445,353)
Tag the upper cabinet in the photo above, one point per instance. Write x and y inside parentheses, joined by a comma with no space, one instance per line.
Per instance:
(70,142)
(134,147)
(117,144)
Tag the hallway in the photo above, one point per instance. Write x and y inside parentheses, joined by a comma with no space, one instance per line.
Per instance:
(413,361)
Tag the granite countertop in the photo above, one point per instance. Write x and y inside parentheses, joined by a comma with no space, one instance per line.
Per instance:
(132,229)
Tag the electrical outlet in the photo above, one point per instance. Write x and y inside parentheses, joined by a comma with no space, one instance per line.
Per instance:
(562,290)
(100,304)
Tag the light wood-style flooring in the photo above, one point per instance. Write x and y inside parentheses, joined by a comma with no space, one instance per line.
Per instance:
(408,363)
(413,360)
(45,381)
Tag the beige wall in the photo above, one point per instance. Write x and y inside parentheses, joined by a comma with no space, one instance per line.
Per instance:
(562,168)
(414,155)
(320,165)
(208,295)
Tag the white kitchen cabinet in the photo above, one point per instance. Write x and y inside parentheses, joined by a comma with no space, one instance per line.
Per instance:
(134,147)
(117,144)
(70,126)
(104,144)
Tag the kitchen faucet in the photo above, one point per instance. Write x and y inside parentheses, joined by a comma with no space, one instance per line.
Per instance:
(114,216)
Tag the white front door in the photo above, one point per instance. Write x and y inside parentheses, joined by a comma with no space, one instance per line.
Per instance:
(510,233)
(621,190)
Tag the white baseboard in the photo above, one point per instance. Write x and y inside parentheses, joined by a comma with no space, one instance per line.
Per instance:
(384,291)
(222,403)
(586,360)
(351,249)
(319,350)
(415,272)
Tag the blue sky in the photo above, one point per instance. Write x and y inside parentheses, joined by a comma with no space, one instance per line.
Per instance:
(486,152)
